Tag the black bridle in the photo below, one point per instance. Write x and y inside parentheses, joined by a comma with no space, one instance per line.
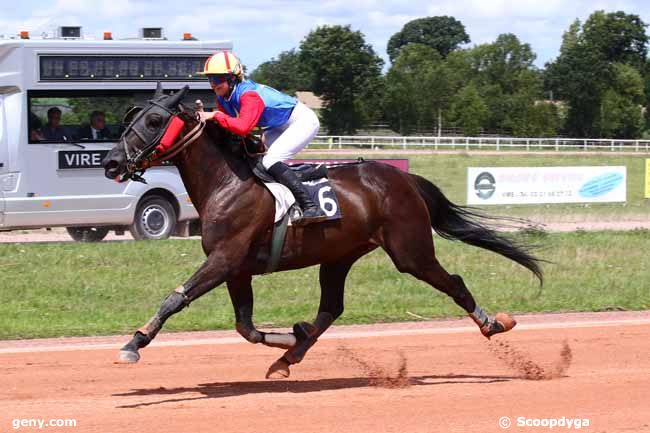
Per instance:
(139,159)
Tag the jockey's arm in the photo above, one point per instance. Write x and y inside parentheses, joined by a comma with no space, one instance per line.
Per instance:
(252,107)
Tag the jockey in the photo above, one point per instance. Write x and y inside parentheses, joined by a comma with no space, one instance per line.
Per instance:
(288,124)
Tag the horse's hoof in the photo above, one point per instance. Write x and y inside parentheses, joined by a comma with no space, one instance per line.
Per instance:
(278,370)
(502,323)
(506,321)
(128,357)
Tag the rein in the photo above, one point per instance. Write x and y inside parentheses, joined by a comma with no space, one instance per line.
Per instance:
(179,145)
(137,166)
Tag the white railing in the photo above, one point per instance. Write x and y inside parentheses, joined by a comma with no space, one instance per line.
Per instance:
(477,143)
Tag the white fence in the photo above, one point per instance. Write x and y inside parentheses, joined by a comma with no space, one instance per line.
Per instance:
(478,143)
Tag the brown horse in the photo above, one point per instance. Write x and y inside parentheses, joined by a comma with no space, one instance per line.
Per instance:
(381,207)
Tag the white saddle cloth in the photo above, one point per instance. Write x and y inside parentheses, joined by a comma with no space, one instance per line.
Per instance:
(283,199)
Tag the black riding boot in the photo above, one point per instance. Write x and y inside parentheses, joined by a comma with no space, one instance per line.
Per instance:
(311,212)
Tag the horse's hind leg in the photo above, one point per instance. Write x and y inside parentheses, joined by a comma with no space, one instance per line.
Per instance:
(412,252)
(332,281)
(241,295)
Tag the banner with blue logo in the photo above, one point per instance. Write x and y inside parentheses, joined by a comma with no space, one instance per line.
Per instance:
(536,185)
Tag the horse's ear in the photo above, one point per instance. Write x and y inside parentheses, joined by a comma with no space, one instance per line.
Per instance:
(187,112)
(159,91)
(177,97)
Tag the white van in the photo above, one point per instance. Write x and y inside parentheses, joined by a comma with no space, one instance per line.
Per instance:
(62,101)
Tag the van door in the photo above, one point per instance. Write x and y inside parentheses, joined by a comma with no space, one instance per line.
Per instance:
(4,157)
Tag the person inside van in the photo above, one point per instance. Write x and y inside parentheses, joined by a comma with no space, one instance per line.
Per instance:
(35,125)
(97,129)
(53,131)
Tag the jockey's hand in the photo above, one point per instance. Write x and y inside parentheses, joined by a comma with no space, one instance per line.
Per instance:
(205,115)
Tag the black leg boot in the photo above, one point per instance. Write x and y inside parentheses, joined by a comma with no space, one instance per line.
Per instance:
(311,212)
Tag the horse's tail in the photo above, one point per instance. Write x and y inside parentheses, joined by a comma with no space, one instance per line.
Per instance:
(465,224)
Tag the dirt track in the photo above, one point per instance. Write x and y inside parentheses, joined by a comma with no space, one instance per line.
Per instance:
(413,377)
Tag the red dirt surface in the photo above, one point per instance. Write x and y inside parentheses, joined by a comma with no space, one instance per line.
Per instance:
(416,377)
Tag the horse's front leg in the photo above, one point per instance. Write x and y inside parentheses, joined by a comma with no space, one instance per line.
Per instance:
(211,274)
(241,295)
(332,281)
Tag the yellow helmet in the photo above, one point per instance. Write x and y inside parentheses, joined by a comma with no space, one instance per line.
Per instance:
(222,63)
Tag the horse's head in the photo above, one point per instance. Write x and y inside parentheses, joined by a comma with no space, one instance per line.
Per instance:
(150,129)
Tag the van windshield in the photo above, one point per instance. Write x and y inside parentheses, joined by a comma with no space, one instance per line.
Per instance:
(77,116)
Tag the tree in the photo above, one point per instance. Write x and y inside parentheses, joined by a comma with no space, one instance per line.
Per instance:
(286,73)
(620,110)
(617,37)
(585,76)
(346,73)
(508,82)
(419,87)
(442,33)
(469,111)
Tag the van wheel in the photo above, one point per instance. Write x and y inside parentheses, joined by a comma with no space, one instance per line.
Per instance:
(87,234)
(155,218)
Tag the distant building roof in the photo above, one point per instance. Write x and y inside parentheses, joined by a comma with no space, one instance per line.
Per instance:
(310,100)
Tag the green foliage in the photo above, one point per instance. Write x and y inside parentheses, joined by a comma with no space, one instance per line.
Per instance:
(616,37)
(346,73)
(599,74)
(442,33)
(286,73)
(621,115)
(418,86)
(469,111)
(113,108)
(510,86)
(601,78)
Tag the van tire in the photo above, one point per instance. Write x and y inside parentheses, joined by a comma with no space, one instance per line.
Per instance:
(87,234)
(155,218)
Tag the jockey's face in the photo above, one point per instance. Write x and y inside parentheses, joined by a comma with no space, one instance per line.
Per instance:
(221,89)
(219,85)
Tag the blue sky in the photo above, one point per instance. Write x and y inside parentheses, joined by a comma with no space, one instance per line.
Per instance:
(262,29)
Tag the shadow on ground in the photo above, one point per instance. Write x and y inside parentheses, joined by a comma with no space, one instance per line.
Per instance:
(234,389)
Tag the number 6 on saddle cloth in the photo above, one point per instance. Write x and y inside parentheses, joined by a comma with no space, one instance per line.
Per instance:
(314,177)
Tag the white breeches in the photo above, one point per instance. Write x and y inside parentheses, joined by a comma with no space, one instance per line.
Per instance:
(287,140)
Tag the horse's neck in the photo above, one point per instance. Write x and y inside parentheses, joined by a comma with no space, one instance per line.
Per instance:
(204,166)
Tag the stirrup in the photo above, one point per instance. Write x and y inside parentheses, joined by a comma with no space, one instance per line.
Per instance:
(298,217)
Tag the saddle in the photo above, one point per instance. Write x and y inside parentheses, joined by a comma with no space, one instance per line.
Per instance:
(255,150)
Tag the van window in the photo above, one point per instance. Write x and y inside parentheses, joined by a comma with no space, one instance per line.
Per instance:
(78,116)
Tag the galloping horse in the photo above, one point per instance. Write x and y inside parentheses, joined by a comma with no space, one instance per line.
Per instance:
(381,207)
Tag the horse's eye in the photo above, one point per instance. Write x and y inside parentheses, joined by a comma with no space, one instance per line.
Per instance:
(154,121)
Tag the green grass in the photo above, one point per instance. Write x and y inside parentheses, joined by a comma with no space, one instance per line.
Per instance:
(107,288)
(449,172)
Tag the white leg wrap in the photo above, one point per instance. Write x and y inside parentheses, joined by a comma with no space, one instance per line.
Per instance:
(479,316)
(281,339)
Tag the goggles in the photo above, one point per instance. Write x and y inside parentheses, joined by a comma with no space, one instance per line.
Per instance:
(215,80)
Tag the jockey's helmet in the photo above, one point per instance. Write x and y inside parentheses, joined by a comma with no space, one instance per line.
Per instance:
(223,63)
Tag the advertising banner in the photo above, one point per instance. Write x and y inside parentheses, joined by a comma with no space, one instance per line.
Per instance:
(535,185)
